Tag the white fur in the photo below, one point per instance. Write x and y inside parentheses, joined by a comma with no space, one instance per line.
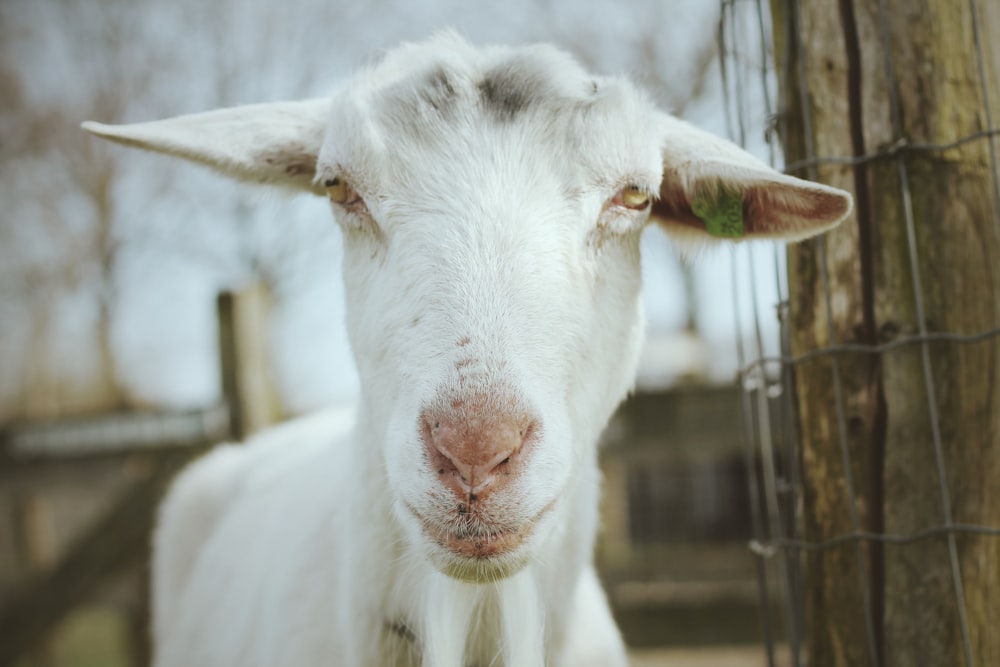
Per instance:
(488,256)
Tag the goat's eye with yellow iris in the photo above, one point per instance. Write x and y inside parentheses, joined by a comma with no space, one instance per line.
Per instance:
(337,190)
(633,197)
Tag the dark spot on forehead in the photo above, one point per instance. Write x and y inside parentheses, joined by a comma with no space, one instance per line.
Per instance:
(433,103)
(439,91)
(415,105)
(509,89)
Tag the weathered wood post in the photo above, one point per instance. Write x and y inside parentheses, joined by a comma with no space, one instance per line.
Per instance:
(918,84)
(614,541)
(34,551)
(245,360)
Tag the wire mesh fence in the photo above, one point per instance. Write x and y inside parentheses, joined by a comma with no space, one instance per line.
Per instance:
(774,409)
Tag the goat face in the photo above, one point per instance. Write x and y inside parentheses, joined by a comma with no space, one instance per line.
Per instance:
(492,278)
(492,202)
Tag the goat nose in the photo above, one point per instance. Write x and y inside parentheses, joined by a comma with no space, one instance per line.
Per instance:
(475,452)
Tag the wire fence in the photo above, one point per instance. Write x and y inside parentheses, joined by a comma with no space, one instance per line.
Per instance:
(750,81)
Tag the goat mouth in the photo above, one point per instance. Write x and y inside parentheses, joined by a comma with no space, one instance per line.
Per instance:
(478,540)
(481,545)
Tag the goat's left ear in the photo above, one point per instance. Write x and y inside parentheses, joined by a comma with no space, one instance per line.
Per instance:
(711,187)
(274,143)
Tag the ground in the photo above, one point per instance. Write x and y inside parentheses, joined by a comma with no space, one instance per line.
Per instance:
(734,656)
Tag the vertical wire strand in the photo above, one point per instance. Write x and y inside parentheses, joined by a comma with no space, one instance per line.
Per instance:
(759,382)
(768,465)
(740,95)
(845,456)
(751,467)
(785,75)
(928,373)
(746,406)
(863,574)
(918,299)
(789,454)
(790,561)
(987,106)
(764,85)
(764,426)
(720,38)
(789,438)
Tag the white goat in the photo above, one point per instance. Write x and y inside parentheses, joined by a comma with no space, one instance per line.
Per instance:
(491,202)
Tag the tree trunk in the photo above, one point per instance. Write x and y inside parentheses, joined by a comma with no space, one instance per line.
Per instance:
(845,107)
(106,254)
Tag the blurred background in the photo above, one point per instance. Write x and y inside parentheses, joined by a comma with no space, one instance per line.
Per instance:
(112,262)
(111,258)
(149,308)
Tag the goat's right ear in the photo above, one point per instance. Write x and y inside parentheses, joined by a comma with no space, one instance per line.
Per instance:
(713,188)
(275,143)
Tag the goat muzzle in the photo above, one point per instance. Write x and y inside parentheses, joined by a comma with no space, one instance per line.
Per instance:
(477,444)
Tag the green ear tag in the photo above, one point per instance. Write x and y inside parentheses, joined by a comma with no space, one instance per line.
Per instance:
(722,213)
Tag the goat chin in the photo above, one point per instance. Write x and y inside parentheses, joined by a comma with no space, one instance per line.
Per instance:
(480,570)
(491,203)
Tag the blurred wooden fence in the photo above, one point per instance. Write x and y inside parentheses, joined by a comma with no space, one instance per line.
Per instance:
(673,550)
(81,493)
(81,497)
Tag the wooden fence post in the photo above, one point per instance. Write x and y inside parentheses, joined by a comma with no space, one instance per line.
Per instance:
(614,541)
(245,360)
(906,88)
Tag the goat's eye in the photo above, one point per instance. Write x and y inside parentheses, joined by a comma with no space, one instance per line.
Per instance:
(345,197)
(337,190)
(632,197)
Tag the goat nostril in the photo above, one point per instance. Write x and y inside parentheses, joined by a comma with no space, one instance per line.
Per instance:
(476,450)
